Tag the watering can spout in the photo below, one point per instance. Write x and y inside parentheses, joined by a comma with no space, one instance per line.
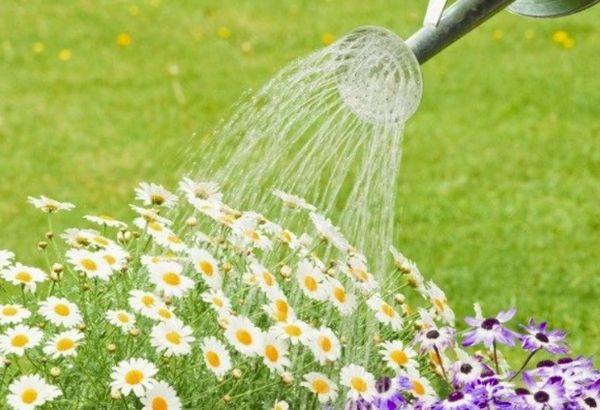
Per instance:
(465,15)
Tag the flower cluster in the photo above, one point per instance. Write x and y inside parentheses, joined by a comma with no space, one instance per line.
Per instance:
(197,304)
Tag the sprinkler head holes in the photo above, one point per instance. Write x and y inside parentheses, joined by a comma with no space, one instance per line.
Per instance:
(379,78)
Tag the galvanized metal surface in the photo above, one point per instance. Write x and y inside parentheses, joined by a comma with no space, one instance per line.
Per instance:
(549,8)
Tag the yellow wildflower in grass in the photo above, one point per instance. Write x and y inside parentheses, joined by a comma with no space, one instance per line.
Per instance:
(327,39)
(564,39)
(38,47)
(497,34)
(224,32)
(124,40)
(65,54)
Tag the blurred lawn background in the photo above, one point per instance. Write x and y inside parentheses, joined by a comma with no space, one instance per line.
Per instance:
(500,179)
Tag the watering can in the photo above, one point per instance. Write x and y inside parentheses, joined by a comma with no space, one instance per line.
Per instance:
(442,28)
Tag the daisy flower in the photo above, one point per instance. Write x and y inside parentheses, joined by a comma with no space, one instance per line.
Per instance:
(13,314)
(49,205)
(281,405)
(167,278)
(329,232)
(133,375)
(92,264)
(150,261)
(274,352)
(207,266)
(321,385)
(153,194)
(247,234)
(357,271)
(201,194)
(408,268)
(295,330)
(344,302)
(30,391)
(162,313)
(60,312)
(263,278)
(243,335)
(431,336)
(63,344)
(325,345)
(440,303)
(217,300)
(279,309)
(216,356)
(20,338)
(6,258)
(161,396)
(115,256)
(144,302)
(173,338)
(170,241)
(105,220)
(121,319)
(310,280)
(150,215)
(419,386)
(489,330)
(384,312)
(361,383)
(78,237)
(25,276)
(397,356)
(293,201)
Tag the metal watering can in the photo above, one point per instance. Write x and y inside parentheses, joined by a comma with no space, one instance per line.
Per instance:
(442,28)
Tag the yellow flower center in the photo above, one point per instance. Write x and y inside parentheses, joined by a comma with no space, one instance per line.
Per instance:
(206,268)
(293,330)
(439,304)
(19,340)
(62,310)
(399,357)
(101,240)
(218,302)
(282,309)
(28,396)
(9,311)
(134,377)
(285,235)
(244,337)
(268,278)
(147,300)
(213,359)
(387,310)
(252,235)
(111,260)
(174,239)
(339,294)
(310,283)
(155,226)
(271,353)
(65,344)
(165,313)
(89,265)
(122,317)
(359,384)
(157,199)
(24,277)
(159,403)
(325,343)
(173,337)
(418,388)
(171,278)
(320,386)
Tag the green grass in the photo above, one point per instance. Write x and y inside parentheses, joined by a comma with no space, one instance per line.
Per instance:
(501,171)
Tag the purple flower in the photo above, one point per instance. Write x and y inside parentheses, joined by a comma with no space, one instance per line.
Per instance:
(539,337)
(544,395)
(589,397)
(465,370)
(460,400)
(431,336)
(489,330)
(389,394)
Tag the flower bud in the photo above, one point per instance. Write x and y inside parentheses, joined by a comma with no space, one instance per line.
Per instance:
(54,277)
(49,234)
(399,298)
(287,377)
(85,287)
(42,245)
(115,395)
(135,332)
(191,221)
(57,268)
(227,399)
(111,347)
(377,338)
(81,326)
(227,267)
(236,373)
(285,271)
(55,372)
